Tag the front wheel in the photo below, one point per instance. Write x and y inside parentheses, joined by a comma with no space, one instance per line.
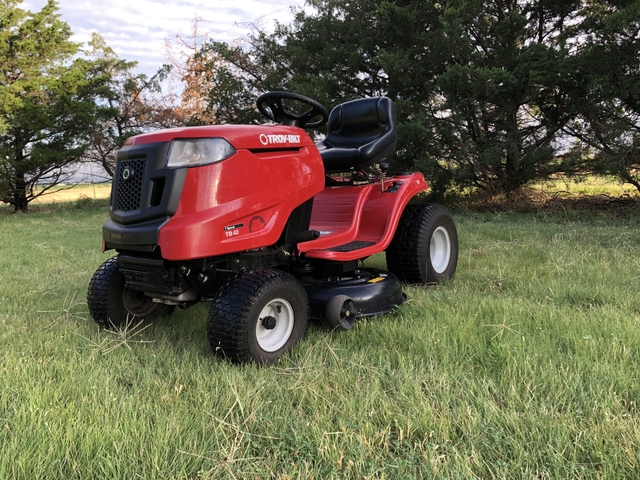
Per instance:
(424,248)
(258,316)
(112,304)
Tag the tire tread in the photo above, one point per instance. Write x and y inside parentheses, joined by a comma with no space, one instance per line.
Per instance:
(404,253)
(109,312)
(229,317)
(100,307)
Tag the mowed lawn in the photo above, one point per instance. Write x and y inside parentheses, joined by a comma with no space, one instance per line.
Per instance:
(525,365)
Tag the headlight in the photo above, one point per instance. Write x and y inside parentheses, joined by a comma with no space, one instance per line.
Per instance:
(189,153)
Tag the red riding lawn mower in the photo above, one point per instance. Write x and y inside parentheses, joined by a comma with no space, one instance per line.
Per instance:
(269,227)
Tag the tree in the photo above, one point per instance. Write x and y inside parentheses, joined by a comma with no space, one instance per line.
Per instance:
(191,66)
(605,74)
(235,84)
(486,92)
(502,110)
(47,102)
(324,54)
(130,103)
(473,81)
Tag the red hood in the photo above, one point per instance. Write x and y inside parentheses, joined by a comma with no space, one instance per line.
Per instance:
(240,136)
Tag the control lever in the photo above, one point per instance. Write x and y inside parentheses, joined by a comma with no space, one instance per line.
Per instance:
(382,168)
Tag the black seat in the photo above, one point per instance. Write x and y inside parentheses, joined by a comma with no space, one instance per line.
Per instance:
(360,133)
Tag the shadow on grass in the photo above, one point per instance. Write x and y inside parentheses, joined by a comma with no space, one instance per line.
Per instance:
(530,200)
(184,334)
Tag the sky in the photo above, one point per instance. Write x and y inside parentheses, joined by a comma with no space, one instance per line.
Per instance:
(137,29)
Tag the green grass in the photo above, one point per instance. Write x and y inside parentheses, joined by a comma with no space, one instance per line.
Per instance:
(526,365)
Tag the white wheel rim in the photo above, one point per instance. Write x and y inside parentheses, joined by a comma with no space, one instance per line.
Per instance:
(275,338)
(440,250)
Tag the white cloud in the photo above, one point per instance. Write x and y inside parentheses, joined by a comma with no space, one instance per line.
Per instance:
(136,29)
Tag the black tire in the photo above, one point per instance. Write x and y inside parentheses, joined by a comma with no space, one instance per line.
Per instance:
(108,299)
(237,327)
(341,312)
(424,248)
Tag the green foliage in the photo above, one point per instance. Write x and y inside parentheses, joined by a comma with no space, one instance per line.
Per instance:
(523,366)
(606,79)
(488,94)
(47,101)
(233,76)
(323,55)
(502,112)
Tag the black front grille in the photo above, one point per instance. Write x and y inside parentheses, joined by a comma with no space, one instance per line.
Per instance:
(130,184)
(144,190)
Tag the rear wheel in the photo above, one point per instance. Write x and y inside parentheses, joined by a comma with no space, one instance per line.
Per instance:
(112,304)
(424,248)
(258,316)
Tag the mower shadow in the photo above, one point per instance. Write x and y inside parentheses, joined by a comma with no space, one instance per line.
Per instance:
(185,332)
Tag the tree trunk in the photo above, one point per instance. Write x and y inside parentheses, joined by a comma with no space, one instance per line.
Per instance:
(514,177)
(20,202)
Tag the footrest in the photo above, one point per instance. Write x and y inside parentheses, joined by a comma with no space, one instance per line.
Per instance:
(350,247)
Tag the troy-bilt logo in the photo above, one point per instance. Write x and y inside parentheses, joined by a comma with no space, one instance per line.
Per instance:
(124,237)
(278,139)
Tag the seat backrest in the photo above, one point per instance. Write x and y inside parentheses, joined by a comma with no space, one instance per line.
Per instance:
(360,133)
(359,122)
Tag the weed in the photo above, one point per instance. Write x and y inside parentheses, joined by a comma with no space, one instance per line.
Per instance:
(69,310)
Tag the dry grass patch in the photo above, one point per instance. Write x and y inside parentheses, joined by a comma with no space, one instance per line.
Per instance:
(75,193)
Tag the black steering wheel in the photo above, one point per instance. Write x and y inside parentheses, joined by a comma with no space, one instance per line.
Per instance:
(278,113)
